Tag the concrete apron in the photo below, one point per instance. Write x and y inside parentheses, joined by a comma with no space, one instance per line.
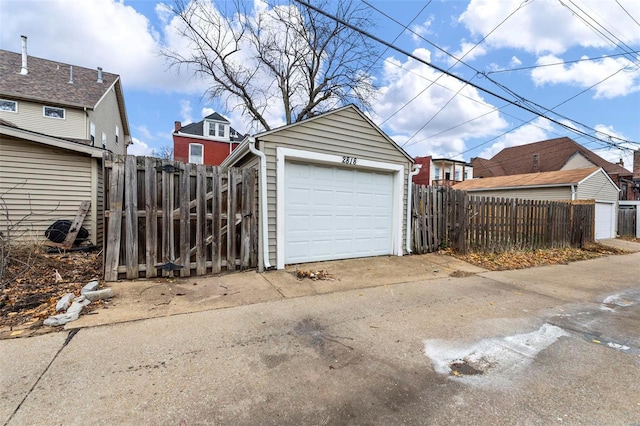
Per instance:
(141,299)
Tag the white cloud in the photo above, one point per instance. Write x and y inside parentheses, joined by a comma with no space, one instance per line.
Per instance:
(614,77)
(139,147)
(515,62)
(91,34)
(546,26)
(421,30)
(467,52)
(144,132)
(401,82)
(609,153)
(185,111)
(538,130)
(206,111)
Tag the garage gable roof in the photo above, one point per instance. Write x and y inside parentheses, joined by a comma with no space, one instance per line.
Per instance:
(242,149)
(557,178)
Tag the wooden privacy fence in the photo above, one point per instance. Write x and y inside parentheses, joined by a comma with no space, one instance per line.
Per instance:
(165,217)
(445,217)
(627,221)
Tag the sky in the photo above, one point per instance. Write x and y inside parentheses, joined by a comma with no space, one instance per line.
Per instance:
(575,61)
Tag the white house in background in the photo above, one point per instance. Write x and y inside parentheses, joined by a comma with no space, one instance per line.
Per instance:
(56,122)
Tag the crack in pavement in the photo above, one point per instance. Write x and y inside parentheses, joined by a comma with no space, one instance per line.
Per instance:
(70,336)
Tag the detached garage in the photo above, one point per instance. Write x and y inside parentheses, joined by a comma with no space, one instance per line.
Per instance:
(331,187)
(579,184)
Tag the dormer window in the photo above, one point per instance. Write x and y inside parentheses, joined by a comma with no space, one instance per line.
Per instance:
(217,130)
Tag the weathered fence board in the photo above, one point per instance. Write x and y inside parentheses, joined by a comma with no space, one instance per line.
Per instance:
(164,216)
(445,217)
(627,221)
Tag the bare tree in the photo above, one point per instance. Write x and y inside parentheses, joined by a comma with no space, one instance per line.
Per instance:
(286,55)
(165,153)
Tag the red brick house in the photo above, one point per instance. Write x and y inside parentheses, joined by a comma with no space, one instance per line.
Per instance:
(553,155)
(441,171)
(209,141)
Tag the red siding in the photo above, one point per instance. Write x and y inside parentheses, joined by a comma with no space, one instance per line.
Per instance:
(214,152)
(423,178)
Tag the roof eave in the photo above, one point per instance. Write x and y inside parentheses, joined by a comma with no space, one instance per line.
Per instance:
(51,141)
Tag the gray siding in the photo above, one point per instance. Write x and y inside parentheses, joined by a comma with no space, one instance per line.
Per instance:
(106,117)
(43,184)
(343,133)
(30,116)
(598,187)
(551,194)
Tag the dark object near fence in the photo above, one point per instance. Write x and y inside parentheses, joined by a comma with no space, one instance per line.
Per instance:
(59,230)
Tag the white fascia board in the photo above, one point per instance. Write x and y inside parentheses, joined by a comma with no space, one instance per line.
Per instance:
(52,141)
(284,154)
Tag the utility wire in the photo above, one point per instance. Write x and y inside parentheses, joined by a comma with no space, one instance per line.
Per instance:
(620,43)
(559,63)
(627,12)
(437,68)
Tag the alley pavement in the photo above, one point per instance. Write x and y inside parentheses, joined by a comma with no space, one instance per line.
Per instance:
(548,345)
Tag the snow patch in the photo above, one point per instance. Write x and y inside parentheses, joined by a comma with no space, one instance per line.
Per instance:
(495,357)
(618,300)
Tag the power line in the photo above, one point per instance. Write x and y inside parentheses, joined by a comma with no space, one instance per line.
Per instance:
(559,63)
(487,91)
(627,12)
(595,29)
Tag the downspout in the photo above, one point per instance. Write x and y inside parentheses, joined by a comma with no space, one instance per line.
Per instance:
(263,201)
(573,193)
(415,171)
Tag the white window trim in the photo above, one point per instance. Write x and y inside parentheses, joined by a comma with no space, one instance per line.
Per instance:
(64,112)
(202,150)
(104,140)
(117,134)
(285,154)
(92,133)
(14,102)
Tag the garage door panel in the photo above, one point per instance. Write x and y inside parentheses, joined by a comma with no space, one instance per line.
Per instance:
(348,213)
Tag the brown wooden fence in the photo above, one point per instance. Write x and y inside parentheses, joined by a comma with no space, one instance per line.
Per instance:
(444,217)
(165,217)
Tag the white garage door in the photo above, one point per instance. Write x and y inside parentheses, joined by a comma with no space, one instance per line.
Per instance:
(336,213)
(605,220)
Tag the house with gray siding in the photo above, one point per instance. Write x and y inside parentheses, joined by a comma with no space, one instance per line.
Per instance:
(564,185)
(56,123)
(334,186)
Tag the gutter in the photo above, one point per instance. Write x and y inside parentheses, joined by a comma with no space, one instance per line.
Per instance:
(263,201)
(415,171)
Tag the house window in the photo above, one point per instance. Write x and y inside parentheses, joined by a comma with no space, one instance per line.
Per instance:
(104,140)
(466,175)
(53,112)
(196,153)
(216,129)
(8,106)
(92,133)
(117,134)
(437,173)
(457,174)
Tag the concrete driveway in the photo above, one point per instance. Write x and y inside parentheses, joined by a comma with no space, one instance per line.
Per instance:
(549,345)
